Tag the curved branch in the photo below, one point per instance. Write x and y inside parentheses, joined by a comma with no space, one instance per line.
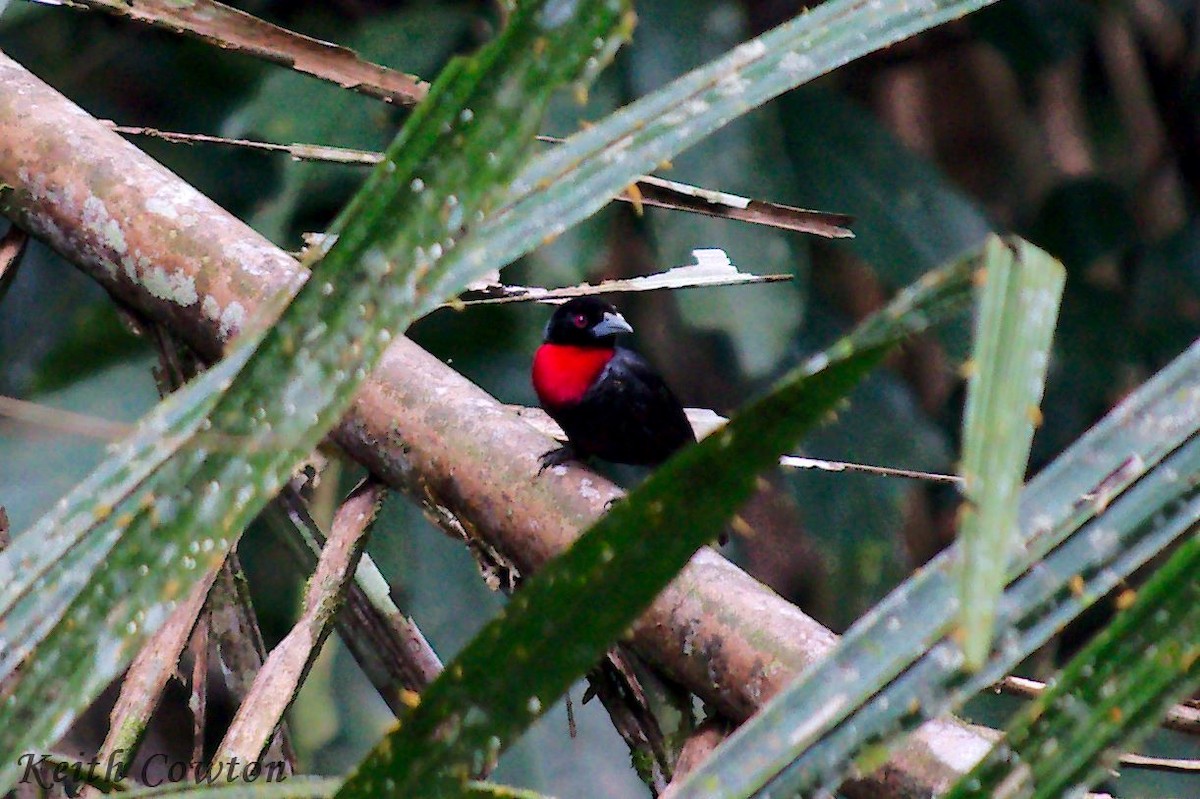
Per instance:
(162,247)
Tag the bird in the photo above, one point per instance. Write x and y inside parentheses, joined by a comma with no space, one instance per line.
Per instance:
(609,400)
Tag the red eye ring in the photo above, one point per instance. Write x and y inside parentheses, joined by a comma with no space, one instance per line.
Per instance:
(579,320)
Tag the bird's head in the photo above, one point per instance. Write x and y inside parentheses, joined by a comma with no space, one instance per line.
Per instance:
(586,322)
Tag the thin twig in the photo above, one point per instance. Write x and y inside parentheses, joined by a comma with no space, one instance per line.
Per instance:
(239,645)
(1172,764)
(615,683)
(279,680)
(300,152)
(677,196)
(240,32)
(198,700)
(572,727)
(1181,717)
(646,190)
(796,462)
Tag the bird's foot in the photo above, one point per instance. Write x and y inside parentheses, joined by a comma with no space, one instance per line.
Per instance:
(556,457)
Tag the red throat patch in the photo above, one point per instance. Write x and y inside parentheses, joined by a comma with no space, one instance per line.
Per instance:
(562,373)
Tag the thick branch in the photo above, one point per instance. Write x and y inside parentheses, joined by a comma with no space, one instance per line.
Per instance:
(165,249)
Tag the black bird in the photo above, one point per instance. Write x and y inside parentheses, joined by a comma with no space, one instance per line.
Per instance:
(608,400)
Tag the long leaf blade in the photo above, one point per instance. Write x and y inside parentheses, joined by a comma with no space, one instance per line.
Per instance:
(1108,697)
(1018,309)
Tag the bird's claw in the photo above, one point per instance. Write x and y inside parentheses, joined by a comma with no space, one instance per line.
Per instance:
(556,457)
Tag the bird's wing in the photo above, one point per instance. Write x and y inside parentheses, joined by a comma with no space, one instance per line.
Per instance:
(657,408)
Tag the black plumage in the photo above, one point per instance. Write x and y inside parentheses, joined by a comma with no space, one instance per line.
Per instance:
(609,401)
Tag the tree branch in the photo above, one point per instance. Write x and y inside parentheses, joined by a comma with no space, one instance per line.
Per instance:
(231,29)
(279,680)
(1181,717)
(168,251)
(647,190)
(144,682)
(388,646)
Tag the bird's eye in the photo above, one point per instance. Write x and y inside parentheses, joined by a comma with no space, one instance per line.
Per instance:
(580,321)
